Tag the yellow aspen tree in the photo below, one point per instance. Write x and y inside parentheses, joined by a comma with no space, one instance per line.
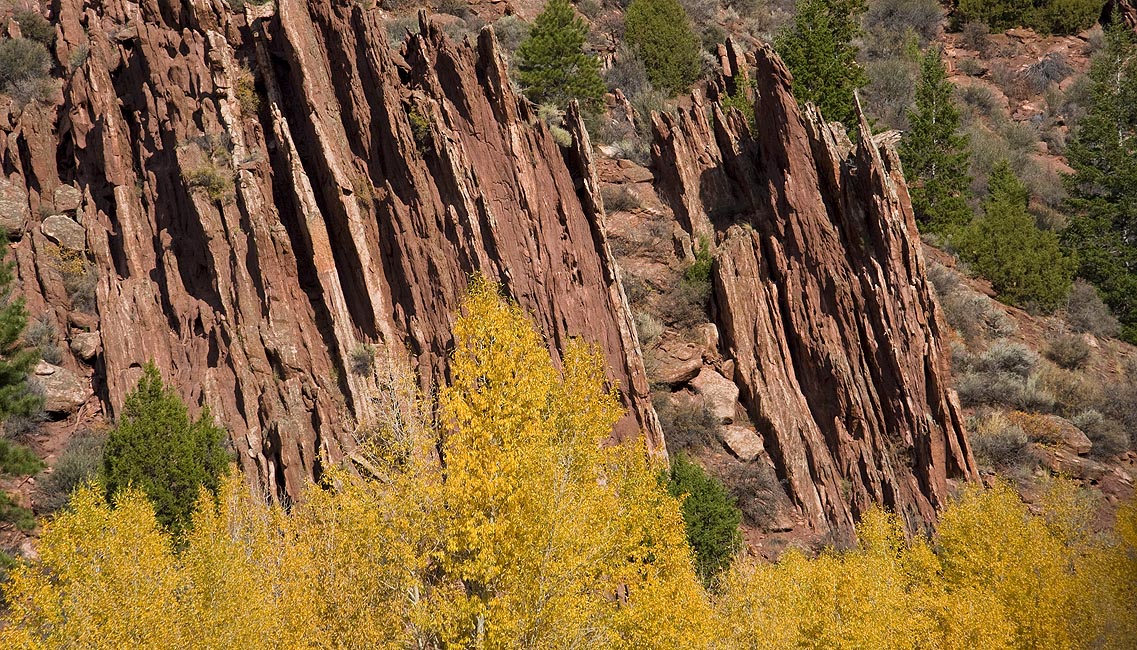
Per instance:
(510,523)
(370,548)
(497,430)
(754,606)
(372,538)
(558,540)
(106,578)
(244,580)
(1106,589)
(990,542)
(957,620)
(656,568)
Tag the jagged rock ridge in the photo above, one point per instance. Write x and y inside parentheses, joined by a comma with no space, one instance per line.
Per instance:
(262,195)
(821,298)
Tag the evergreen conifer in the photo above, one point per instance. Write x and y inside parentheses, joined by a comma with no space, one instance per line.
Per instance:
(552,64)
(1024,264)
(819,51)
(934,153)
(1103,190)
(710,516)
(16,359)
(158,449)
(661,34)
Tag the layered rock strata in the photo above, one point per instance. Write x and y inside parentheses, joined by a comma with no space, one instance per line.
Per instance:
(259,201)
(821,298)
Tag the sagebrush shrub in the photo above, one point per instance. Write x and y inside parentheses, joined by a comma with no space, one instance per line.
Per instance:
(627,73)
(1002,389)
(362,360)
(1069,351)
(510,30)
(1051,69)
(978,99)
(618,198)
(974,315)
(1108,436)
(1073,391)
(648,327)
(686,423)
(1010,357)
(44,337)
(976,36)
(24,66)
(216,182)
(79,464)
(1087,312)
(898,16)
(686,304)
(999,443)
(889,91)
(944,280)
(34,26)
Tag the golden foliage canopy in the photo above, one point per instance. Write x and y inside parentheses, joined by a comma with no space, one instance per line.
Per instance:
(531,533)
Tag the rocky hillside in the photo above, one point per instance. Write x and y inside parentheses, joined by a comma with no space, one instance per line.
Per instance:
(265,201)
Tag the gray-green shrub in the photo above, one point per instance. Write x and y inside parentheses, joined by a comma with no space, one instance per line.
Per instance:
(1108,436)
(1087,312)
(24,67)
(1069,351)
(80,463)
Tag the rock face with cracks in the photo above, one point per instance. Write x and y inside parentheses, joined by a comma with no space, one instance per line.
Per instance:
(253,200)
(821,299)
(265,194)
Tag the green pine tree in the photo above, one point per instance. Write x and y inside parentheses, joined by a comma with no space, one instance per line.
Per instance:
(1102,232)
(818,49)
(16,359)
(1026,265)
(710,515)
(1004,185)
(661,34)
(16,362)
(158,449)
(552,65)
(934,153)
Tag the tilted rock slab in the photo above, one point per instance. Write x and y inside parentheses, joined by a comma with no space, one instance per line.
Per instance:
(822,301)
(265,193)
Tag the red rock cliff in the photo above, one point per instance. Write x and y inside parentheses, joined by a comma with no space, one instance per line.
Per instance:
(260,195)
(250,199)
(822,301)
